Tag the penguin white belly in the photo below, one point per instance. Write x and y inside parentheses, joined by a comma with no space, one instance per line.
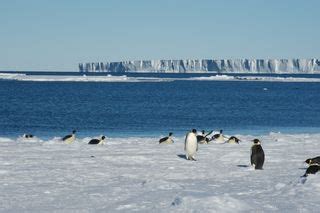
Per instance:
(232,141)
(70,140)
(102,142)
(220,139)
(191,145)
(169,141)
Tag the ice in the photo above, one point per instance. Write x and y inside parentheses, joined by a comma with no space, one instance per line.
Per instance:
(207,65)
(124,78)
(139,174)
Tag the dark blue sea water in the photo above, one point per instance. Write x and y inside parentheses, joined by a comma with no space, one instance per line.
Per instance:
(50,109)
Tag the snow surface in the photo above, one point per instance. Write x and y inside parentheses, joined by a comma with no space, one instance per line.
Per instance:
(138,174)
(124,78)
(83,78)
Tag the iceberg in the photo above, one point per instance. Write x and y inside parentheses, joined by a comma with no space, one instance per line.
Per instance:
(291,66)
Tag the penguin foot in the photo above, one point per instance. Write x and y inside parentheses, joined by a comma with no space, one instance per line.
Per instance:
(191,158)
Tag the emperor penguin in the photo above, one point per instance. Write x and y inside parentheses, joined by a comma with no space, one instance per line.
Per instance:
(27,136)
(98,141)
(218,137)
(70,138)
(313,160)
(191,144)
(312,169)
(167,140)
(233,139)
(203,139)
(257,154)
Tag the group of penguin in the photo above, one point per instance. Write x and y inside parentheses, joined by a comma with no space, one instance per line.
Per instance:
(192,140)
(69,139)
(257,155)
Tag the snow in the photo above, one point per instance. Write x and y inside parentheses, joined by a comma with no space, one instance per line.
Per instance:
(124,78)
(139,174)
(74,78)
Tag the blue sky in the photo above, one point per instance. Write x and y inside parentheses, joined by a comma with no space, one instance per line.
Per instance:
(58,34)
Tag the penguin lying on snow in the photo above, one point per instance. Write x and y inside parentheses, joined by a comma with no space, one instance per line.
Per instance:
(167,140)
(97,141)
(257,154)
(315,160)
(69,138)
(218,137)
(233,139)
(203,139)
(191,144)
(312,169)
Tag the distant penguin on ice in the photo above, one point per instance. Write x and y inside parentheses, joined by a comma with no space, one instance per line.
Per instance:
(203,139)
(70,138)
(191,144)
(167,140)
(257,154)
(313,160)
(218,137)
(27,136)
(98,141)
(233,139)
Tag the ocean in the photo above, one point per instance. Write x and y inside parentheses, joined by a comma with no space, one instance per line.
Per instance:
(144,109)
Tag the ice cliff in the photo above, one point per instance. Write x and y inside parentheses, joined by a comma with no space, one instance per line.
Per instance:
(207,65)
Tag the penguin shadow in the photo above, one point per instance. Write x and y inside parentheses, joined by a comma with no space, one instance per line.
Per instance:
(182,156)
(302,168)
(243,166)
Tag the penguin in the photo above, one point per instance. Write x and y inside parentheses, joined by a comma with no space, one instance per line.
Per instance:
(257,154)
(218,137)
(313,160)
(312,169)
(191,144)
(69,138)
(27,136)
(233,139)
(167,140)
(97,141)
(203,139)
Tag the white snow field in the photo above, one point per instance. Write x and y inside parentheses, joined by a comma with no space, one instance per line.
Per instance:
(138,174)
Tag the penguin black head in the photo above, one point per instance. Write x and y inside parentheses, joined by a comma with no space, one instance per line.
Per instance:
(170,133)
(256,141)
(309,161)
(74,131)
(194,131)
(103,137)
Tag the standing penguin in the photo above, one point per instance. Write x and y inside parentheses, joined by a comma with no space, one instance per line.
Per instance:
(70,138)
(257,154)
(97,141)
(191,144)
(167,140)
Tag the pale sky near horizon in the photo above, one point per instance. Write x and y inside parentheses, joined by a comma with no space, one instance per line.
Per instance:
(56,35)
